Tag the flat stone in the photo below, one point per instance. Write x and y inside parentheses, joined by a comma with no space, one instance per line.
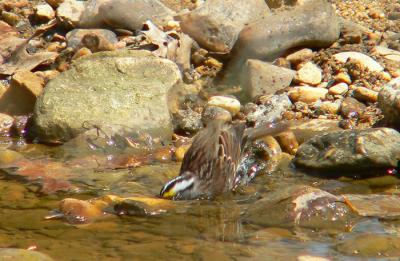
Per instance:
(371,245)
(269,37)
(386,53)
(69,12)
(307,94)
(310,128)
(309,73)
(228,103)
(216,24)
(261,78)
(374,205)
(339,89)
(20,97)
(389,102)
(363,59)
(356,152)
(365,95)
(120,91)
(44,12)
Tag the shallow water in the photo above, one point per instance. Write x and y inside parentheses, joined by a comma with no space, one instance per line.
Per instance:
(195,230)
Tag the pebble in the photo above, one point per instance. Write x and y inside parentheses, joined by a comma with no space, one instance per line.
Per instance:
(351,108)
(328,107)
(44,12)
(389,102)
(312,258)
(365,95)
(339,89)
(288,142)
(343,77)
(228,103)
(211,113)
(300,56)
(363,59)
(180,152)
(81,52)
(309,73)
(307,94)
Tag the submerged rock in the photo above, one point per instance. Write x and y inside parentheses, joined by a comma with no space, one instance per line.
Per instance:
(375,205)
(353,151)
(371,245)
(389,102)
(216,24)
(117,90)
(300,205)
(269,37)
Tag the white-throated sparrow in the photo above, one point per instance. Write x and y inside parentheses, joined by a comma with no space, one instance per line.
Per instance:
(209,166)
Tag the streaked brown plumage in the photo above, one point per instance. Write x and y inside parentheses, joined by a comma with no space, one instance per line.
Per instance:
(209,166)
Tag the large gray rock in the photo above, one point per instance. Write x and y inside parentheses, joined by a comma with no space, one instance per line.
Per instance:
(216,24)
(354,151)
(124,14)
(12,254)
(112,90)
(261,78)
(313,24)
(389,102)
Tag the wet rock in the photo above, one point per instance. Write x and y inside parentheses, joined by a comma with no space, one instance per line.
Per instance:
(118,14)
(115,90)
(180,151)
(307,94)
(228,103)
(261,78)
(77,211)
(270,111)
(6,122)
(299,56)
(211,113)
(352,151)
(142,206)
(269,37)
(95,40)
(310,128)
(288,142)
(371,245)
(9,156)
(386,53)
(300,205)
(188,121)
(365,95)
(215,25)
(389,102)
(361,58)
(44,12)
(374,205)
(11,254)
(309,73)
(351,108)
(21,96)
(10,18)
(339,89)
(69,12)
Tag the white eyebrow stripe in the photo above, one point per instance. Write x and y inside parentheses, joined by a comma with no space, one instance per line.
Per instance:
(180,186)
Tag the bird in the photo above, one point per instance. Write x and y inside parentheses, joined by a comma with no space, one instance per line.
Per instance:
(209,167)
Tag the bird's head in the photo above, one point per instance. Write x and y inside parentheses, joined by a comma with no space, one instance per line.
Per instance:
(182,187)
